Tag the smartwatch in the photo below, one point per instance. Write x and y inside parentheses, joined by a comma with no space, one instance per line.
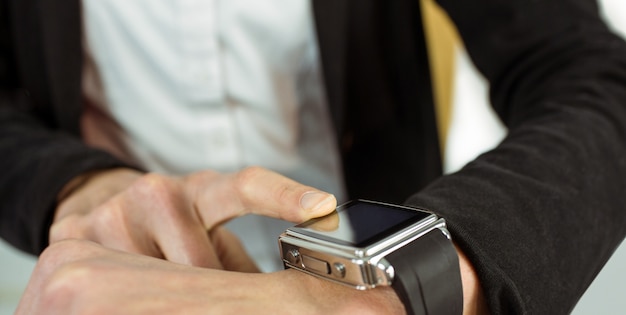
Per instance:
(366,244)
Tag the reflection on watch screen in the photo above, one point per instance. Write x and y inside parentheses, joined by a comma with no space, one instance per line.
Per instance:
(360,224)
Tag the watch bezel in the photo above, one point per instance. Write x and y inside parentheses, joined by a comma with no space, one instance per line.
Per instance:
(366,266)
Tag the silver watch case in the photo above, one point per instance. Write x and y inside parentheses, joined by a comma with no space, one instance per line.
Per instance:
(362,268)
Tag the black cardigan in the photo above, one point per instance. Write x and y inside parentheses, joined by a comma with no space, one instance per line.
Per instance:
(538,216)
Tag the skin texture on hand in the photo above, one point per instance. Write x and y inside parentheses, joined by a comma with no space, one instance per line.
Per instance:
(168,217)
(81,277)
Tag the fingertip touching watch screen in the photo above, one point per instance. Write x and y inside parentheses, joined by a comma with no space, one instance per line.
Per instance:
(359,223)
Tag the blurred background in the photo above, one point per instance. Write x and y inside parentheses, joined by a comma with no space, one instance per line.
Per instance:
(473,129)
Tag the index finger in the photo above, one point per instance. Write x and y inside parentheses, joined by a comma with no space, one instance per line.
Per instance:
(218,198)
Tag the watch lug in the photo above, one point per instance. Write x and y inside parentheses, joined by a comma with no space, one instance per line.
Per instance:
(384,273)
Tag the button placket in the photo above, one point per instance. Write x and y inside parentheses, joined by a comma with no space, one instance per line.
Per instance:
(198,44)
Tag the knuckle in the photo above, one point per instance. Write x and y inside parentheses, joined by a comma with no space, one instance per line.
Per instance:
(161,192)
(286,194)
(66,228)
(151,184)
(68,284)
(68,280)
(109,215)
(245,180)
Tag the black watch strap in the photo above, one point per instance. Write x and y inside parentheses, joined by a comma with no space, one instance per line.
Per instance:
(427,277)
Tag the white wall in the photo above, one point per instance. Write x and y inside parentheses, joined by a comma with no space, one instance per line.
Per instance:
(15,268)
(468,138)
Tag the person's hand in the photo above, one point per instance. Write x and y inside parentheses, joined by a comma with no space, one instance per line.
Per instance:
(81,277)
(168,217)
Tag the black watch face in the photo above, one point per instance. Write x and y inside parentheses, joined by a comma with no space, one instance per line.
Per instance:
(360,223)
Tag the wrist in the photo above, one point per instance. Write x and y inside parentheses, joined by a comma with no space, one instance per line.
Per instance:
(412,253)
(473,299)
(381,300)
(332,298)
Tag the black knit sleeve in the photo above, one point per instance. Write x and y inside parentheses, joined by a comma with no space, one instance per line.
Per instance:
(36,163)
(541,214)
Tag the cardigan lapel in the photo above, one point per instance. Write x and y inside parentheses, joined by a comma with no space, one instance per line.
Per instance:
(331,25)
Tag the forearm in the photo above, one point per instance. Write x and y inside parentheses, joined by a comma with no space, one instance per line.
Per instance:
(538,216)
(548,200)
